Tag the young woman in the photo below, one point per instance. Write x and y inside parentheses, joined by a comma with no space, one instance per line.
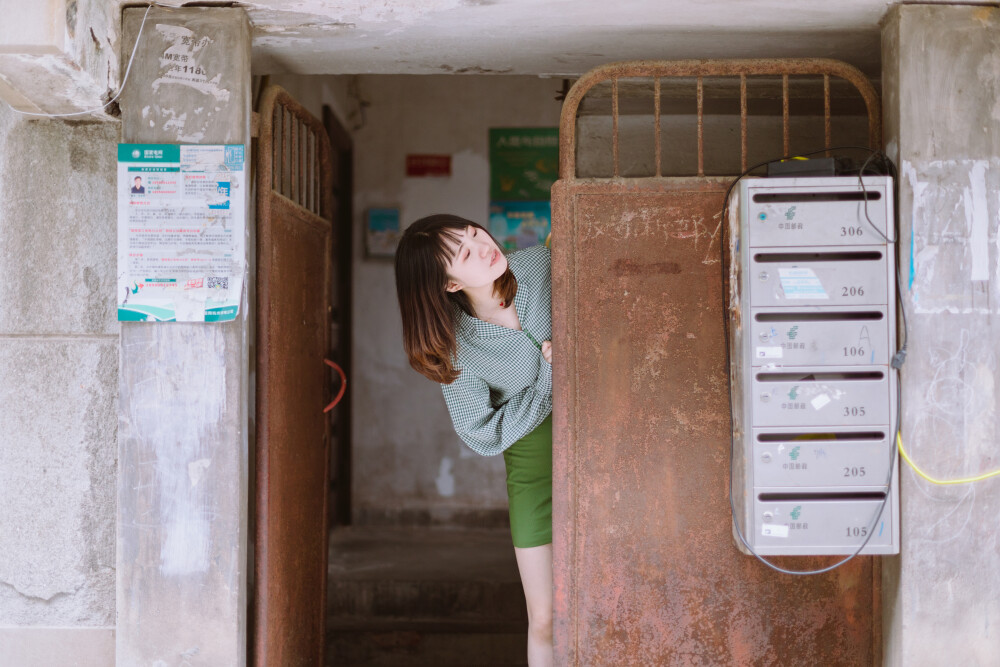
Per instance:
(480,324)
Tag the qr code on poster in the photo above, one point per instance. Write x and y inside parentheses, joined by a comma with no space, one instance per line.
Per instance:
(222,283)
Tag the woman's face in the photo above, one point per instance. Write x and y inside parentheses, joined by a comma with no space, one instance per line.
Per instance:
(476,260)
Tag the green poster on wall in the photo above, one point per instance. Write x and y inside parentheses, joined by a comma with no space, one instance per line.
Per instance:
(524,162)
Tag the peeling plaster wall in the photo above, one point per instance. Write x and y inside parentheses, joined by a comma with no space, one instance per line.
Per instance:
(553,37)
(942,83)
(58,382)
(71,66)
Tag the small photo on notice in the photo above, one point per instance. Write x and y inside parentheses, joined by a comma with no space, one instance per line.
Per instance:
(138,187)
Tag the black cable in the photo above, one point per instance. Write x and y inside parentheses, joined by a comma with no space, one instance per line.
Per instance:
(896,363)
(900,357)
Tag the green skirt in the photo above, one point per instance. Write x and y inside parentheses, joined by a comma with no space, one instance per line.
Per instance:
(529,487)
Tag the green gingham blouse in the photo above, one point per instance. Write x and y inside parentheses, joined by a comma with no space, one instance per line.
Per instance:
(504,388)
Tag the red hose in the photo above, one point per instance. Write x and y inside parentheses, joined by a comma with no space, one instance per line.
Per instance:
(343,385)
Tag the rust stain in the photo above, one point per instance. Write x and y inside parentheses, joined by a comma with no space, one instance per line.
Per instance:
(627,267)
(646,570)
(984,15)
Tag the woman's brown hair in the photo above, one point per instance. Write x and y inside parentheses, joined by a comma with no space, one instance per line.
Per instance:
(427,308)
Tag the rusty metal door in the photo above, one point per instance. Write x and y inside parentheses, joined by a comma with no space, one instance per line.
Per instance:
(646,570)
(294,255)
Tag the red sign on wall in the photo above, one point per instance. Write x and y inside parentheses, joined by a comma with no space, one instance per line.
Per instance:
(428,165)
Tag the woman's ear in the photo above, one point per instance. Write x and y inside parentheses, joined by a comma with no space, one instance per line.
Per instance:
(452,286)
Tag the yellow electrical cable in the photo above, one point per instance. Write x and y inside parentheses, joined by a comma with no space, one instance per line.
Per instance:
(964,480)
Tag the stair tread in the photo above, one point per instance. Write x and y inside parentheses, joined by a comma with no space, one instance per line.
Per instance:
(493,626)
(421,554)
(424,596)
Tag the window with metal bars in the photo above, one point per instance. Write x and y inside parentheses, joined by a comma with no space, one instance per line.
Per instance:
(646,119)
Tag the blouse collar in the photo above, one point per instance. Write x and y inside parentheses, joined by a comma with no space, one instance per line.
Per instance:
(474,326)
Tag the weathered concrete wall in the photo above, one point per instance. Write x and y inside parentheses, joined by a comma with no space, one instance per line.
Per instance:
(184,387)
(548,37)
(58,391)
(942,83)
(58,56)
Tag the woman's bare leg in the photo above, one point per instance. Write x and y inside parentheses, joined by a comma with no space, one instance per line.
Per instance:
(535,566)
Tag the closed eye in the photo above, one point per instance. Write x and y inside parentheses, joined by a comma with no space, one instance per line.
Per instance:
(468,252)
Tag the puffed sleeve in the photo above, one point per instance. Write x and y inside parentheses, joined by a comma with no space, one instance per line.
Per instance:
(489,430)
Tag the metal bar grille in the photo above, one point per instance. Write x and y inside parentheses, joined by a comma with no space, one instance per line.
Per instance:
(656,123)
(297,156)
(614,116)
(826,112)
(701,126)
(701,70)
(743,122)
(785,140)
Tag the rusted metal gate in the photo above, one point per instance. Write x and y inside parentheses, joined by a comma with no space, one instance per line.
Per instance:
(646,570)
(294,254)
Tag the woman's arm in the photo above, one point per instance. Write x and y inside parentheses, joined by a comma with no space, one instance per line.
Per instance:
(488,430)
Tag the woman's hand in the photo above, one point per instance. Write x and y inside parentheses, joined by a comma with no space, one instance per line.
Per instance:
(547,350)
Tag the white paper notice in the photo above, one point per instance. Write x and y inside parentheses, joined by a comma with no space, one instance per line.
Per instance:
(799,283)
(774,530)
(820,401)
(181,227)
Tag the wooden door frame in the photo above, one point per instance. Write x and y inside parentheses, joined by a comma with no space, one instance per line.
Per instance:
(293,175)
(342,161)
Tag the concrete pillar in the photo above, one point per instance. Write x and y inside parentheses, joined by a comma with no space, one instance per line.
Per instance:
(183,418)
(941,77)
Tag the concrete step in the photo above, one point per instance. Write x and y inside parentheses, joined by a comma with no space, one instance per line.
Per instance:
(431,600)
(424,596)
(425,644)
(433,574)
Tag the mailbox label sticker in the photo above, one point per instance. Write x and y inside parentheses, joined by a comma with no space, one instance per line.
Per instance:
(798,283)
(774,530)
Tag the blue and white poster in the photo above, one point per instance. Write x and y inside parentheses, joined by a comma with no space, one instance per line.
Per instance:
(181,232)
